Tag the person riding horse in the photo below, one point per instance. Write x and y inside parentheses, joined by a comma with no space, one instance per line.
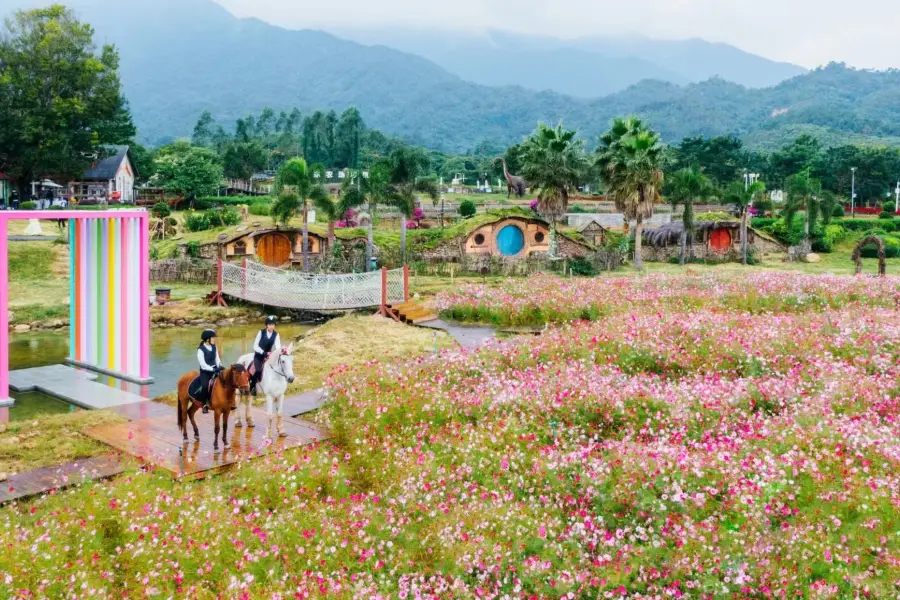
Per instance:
(266,342)
(210,365)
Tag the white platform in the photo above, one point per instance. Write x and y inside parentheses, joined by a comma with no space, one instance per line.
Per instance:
(76,387)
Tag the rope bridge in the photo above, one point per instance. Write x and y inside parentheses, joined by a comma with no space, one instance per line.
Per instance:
(298,290)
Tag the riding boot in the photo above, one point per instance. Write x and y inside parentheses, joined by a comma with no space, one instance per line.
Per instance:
(206,408)
(280,425)
(253,388)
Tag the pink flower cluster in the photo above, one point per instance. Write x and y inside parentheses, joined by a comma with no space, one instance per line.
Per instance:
(683,445)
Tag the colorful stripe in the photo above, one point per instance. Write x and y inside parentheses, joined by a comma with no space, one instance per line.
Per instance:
(109,291)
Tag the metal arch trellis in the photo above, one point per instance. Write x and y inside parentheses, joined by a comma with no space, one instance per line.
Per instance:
(298,290)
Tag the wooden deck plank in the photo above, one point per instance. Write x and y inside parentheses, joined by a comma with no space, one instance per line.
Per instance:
(39,481)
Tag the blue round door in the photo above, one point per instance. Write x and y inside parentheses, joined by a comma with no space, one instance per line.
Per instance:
(510,240)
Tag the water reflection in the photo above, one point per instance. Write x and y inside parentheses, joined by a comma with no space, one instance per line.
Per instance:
(173,351)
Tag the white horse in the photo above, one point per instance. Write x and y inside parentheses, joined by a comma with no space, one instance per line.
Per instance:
(278,372)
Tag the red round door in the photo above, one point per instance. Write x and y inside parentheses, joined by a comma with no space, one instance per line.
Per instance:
(720,240)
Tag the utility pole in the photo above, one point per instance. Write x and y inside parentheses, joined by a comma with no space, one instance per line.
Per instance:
(852,191)
(897,197)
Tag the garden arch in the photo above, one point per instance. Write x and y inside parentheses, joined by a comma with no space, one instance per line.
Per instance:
(857,253)
(109,292)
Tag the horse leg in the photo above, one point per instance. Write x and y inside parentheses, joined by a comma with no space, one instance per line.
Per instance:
(184,418)
(216,418)
(247,408)
(191,412)
(238,423)
(281,432)
(269,415)
(225,443)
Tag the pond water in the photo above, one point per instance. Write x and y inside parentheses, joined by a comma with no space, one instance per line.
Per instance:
(173,352)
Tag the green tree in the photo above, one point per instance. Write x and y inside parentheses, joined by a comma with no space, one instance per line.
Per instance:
(630,159)
(553,162)
(368,187)
(348,139)
(296,185)
(408,170)
(801,154)
(685,187)
(242,159)
(803,195)
(721,158)
(187,170)
(743,196)
(60,96)
(204,130)
(333,210)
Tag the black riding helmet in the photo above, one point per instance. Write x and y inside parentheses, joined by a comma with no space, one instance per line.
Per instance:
(270,320)
(207,334)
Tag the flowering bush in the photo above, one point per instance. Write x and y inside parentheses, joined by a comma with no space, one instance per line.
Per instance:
(681,446)
(348,219)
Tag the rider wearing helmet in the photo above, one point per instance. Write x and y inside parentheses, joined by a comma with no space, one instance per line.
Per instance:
(210,364)
(266,342)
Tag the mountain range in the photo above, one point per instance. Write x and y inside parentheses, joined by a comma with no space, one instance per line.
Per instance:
(181,57)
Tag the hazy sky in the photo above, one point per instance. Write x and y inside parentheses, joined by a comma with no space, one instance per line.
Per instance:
(863,33)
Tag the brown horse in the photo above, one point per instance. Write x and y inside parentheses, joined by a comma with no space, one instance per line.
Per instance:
(223,401)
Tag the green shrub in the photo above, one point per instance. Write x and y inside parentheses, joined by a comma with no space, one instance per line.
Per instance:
(467,208)
(196,221)
(260,210)
(791,236)
(154,253)
(887,207)
(226,217)
(885,215)
(235,200)
(838,212)
(826,239)
(161,210)
(763,205)
(891,247)
(868,225)
(762,222)
(578,209)
(29,205)
(581,267)
(193,249)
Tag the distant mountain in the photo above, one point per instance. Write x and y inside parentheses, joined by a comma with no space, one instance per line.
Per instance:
(584,68)
(180,57)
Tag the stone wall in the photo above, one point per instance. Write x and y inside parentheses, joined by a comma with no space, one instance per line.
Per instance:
(758,246)
(184,271)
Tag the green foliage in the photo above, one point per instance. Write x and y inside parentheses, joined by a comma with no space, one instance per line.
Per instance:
(28,205)
(196,221)
(554,163)
(226,217)
(235,200)
(722,157)
(828,238)
(240,160)
(60,95)
(260,210)
(161,210)
(891,246)
(192,249)
(154,253)
(887,206)
(186,170)
(886,215)
(285,207)
(467,208)
(868,225)
(581,267)
(838,212)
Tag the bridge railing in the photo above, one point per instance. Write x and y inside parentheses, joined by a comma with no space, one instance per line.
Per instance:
(298,290)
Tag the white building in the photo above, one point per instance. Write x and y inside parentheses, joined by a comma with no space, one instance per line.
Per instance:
(110,180)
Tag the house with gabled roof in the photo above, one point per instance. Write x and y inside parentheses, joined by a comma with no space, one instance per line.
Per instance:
(109,180)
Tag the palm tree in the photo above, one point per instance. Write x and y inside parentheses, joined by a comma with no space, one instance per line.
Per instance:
(408,167)
(630,159)
(369,190)
(553,162)
(333,211)
(685,187)
(296,185)
(803,194)
(743,196)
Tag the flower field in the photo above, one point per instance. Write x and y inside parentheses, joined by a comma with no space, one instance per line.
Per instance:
(715,440)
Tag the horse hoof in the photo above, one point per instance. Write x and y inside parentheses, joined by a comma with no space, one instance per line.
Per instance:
(239,424)
(282,434)
(251,424)
(226,446)
(196,438)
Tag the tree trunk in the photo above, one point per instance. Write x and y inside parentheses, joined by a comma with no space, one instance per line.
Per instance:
(553,242)
(683,247)
(330,234)
(744,235)
(370,243)
(305,247)
(638,232)
(402,238)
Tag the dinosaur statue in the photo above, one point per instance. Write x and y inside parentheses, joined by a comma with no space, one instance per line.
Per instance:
(514,183)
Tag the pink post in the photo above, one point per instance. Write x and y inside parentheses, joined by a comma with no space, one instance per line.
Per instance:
(4,313)
(144,259)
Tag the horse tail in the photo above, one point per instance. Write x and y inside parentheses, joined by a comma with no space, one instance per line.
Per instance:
(180,412)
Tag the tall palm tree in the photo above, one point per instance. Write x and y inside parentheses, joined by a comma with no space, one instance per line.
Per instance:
(630,158)
(333,211)
(743,196)
(685,187)
(553,162)
(297,185)
(408,167)
(369,190)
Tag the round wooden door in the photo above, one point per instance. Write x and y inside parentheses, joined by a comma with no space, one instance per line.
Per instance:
(274,249)
(720,240)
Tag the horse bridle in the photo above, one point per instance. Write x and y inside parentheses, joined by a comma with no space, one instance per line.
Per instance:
(279,364)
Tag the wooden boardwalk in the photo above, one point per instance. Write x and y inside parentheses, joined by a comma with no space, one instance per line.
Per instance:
(39,481)
(74,386)
(154,437)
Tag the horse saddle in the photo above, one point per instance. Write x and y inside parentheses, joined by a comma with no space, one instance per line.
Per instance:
(196,392)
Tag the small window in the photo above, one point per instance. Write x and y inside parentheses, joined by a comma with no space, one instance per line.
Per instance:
(479,239)
(539,237)
(240,248)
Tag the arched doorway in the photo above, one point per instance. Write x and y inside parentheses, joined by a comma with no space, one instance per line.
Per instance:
(273,249)
(510,240)
(720,240)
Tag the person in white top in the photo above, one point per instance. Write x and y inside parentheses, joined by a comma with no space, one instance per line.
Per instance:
(210,364)
(266,342)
